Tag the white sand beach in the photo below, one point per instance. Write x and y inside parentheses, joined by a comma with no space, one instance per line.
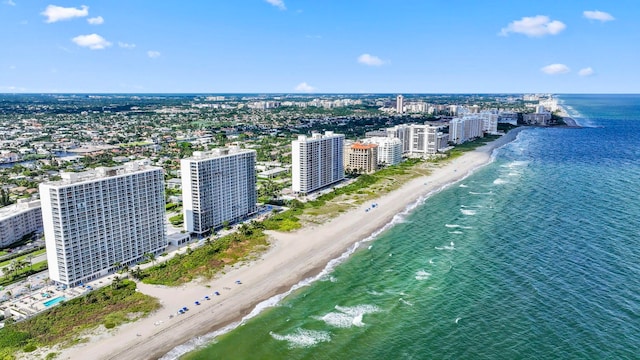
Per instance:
(291,258)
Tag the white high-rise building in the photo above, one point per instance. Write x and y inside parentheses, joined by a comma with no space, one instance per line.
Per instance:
(97,219)
(465,128)
(18,220)
(419,140)
(218,186)
(425,140)
(400,104)
(403,133)
(317,161)
(490,121)
(389,150)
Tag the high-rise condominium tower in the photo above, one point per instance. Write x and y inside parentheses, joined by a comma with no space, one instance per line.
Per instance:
(218,186)
(97,220)
(400,104)
(317,161)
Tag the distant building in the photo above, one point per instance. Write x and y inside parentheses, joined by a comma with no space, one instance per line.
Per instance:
(537,118)
(426,140)
(218,186)
(317,161)
(419,140)
(400,104)
(361,158)
(389,150)
(96,219)
(18,220)
(376,133)
(464,129)
(489,121)
(403,133)
(508,117)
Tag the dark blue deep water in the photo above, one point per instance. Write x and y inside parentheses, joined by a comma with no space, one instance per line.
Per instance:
(535,256)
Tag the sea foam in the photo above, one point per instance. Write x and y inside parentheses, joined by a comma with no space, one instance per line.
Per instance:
(422,275)
(303,338)
(468,212)
(346,317)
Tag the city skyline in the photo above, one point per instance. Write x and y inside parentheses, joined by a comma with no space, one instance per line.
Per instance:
(286,46)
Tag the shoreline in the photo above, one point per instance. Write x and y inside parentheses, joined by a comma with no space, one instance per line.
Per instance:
(292,260)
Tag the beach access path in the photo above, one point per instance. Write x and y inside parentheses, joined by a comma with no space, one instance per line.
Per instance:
(291,258)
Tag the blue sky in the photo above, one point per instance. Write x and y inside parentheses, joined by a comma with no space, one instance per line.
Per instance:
(325,46)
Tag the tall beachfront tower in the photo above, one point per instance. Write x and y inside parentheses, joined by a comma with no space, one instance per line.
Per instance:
(99,219)
(218,186)
(317,161)
(400,104)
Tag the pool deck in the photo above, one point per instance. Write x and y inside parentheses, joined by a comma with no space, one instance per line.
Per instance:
(30,303)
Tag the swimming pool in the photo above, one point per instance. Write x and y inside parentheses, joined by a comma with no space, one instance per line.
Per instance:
(54,301)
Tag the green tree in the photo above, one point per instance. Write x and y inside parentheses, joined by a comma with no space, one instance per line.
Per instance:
(7,271)
(4,198)
(30,259)
(115,284)
(151,257)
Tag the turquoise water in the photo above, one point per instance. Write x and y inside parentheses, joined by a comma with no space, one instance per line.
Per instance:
(534,256)
(54,301)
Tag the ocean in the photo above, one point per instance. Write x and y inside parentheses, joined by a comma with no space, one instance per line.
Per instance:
(535,255)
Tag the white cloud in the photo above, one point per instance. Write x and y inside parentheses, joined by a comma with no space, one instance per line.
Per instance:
(555,69)
(277,3)
(535,26)
(58,13)
(126,45)
(10,2)
(95,20)
(588,71)
(304,87)
(92,41)
(153,54)
(370,60)
(598,15)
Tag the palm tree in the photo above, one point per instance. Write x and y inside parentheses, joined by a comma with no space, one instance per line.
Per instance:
(115,284)
(116,265)
(245,230)
(30,259)
(15,265)
(151,257)
(136,273)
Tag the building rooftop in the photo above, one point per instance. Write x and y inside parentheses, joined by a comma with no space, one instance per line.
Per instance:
(361,146)
(21,206)
(103,172)
(219,152)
